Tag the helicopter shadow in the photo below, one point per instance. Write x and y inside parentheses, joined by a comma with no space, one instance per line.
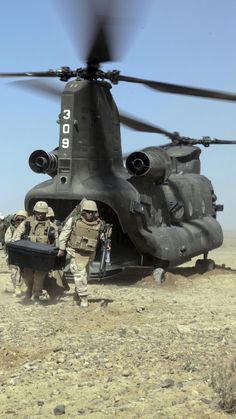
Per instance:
(223,267)
(130,276)
(191,271)
(184,271)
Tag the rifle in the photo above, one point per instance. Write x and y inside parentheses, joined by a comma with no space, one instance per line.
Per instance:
(25,235)
(106,249)
(75,213)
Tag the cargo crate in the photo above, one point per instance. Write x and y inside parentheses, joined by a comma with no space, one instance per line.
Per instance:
(37,256)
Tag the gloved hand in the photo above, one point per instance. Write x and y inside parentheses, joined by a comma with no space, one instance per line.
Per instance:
(61,253)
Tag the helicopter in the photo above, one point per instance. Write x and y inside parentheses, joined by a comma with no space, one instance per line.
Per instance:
(163,210)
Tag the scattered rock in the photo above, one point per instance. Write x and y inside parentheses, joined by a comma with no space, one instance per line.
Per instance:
(206,401)
(182,329)
(59,410)
(168,382)
(136,329)
(140,309)
(123,332)
(126,373)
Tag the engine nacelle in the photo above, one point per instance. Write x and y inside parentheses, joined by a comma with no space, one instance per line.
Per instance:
(153,163)
(42,162)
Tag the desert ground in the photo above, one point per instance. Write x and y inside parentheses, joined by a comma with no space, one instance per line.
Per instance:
(140,350)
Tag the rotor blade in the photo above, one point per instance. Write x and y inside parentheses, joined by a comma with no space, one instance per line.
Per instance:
(100,51)
(115,27)
(142,126)
(86,28)
(181,90)
(216,141)
(49,73)
(39,86)
(175,137)
(75,17)
(101,29)
(206,141)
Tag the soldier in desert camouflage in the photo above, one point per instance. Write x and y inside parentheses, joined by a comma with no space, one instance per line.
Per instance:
(38,229)
(16,278)
(79,237)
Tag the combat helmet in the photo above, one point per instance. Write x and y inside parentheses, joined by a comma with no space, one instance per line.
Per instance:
(89,205)
(21,213)
(41,206)
(50,213)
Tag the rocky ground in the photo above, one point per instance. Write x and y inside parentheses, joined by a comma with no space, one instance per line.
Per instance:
(139,351)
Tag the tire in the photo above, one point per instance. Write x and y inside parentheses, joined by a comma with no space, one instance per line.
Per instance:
(204,265)
(159,276)
(199,266)
(209,265)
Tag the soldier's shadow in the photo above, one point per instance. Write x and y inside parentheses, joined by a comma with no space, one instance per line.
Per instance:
(42,303)
(103,301)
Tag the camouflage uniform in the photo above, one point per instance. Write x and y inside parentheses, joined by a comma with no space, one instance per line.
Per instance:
(38,233)
(15,270)
(2,231)
(9,233)
(79,238)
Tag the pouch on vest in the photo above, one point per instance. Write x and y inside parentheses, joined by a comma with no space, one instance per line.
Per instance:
(88,244)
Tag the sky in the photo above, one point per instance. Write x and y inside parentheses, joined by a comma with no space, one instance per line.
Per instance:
(189,42)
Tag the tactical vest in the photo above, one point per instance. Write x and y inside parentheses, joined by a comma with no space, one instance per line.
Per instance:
(12,228)
(38,230)
(85,235)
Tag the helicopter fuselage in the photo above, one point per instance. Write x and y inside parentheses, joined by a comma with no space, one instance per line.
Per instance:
(162,209)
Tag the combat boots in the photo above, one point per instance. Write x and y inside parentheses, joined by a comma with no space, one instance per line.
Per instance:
(18,291)
(36,300)
(83,301)
(80,300)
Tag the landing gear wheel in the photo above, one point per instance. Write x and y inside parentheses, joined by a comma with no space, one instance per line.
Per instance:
(199,266)
(210,265)
(159,275)
(204,265)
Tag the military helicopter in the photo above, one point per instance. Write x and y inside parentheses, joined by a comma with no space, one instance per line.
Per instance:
(163,210)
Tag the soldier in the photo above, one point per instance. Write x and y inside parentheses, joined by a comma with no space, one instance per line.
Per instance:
(51,214)
(40,230)
(2,230)
(51,217)
(80,236)
(16,220)
(58,276)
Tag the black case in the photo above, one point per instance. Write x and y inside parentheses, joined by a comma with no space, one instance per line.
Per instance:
(37,256)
